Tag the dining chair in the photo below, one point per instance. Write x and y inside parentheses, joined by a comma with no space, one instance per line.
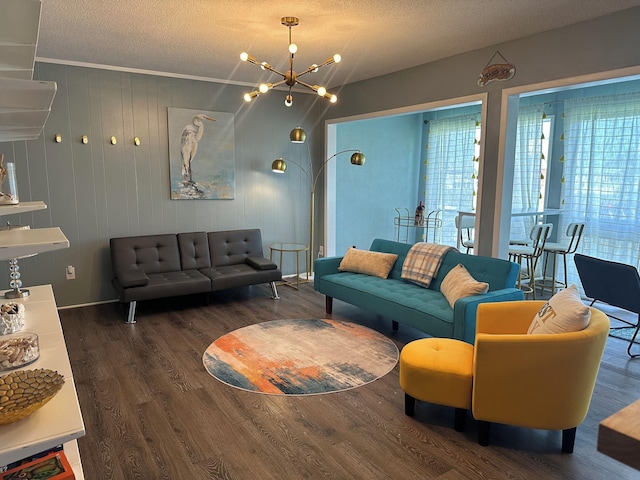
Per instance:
(465,224)
(530,254)
(567,246)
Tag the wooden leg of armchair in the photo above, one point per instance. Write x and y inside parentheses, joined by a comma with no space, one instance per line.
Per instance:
(483,432)
(460,419)
(409,405)
(328,304)
(568,439)
(394,325)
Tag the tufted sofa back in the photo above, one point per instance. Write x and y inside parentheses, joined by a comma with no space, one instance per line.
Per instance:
(149,253)
(231,247)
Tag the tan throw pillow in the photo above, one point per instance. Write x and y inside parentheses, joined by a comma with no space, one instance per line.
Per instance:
(564,312)
(364,261)
(459,283)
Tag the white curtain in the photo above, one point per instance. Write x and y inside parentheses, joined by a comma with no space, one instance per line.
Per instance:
(527,169)
(602,175)
(452,170)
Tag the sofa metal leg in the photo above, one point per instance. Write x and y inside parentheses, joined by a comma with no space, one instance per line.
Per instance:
(460,419)
(274,291)
(394,325)
(132,312)
(483,432)
(328,304)
(409,405)
(568,439)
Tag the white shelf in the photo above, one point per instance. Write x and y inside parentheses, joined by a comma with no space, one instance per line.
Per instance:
(17,243)
(19,26)
(60,420)
(25,104)
(22,207)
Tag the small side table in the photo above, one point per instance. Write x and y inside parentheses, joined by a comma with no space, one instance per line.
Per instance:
(296,248)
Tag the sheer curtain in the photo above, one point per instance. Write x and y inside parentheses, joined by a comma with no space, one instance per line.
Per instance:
(602,175)
(527,169)
(452,170)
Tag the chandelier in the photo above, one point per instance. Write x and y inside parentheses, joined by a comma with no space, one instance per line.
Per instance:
(290,77)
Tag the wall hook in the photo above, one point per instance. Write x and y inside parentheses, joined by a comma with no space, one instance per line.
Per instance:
(136,141)
(85,139)
(58,138)
(113,140)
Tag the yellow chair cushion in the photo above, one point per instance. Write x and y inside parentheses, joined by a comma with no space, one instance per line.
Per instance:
(438,370)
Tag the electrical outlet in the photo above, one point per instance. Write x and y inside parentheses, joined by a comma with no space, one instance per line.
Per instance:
(320,251)
(70,272)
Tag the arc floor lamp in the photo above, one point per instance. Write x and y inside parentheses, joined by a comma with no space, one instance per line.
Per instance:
(298,135)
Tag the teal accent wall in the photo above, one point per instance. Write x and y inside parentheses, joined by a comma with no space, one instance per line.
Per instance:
(367,196)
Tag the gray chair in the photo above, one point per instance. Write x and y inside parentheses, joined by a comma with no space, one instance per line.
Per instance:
(567,246)
(530,254)
(465,225)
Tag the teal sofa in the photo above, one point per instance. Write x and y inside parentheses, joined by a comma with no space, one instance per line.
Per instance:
(425,309)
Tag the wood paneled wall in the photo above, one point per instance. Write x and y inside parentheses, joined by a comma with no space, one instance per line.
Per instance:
(98,191)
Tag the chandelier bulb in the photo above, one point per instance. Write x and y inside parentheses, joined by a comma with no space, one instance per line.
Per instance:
(244,56)
(264,88)
(333,99)
(314,67)
(293,48)
(288,100)
(321,91)
(337,58)
(262,65)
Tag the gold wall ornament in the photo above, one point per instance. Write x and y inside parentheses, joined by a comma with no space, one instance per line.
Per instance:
(85,139)
(58,138)
(113,140)
(496,71)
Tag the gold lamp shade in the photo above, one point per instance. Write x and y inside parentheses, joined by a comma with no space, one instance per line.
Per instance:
(297,135)
(279,165)
(358,158)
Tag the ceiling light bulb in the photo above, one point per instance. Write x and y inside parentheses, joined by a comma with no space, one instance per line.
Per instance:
(322,91)
(250,96)
(244,56)
(293,48)
(263,64)
(333,99)
(288,100)
(337,58)
(314,68)
(264,88)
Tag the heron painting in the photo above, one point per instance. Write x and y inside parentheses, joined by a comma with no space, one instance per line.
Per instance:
(201,154)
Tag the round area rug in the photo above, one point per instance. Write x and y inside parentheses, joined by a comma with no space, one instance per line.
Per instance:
(300,357)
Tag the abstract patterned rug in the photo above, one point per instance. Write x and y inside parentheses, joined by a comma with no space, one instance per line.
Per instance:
(300,357)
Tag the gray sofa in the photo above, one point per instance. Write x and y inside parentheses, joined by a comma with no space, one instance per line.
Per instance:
(149,267)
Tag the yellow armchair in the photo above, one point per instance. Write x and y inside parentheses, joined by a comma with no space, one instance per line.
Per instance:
(542,381)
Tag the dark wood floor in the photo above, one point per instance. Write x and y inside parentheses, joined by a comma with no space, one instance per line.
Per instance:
(151,410)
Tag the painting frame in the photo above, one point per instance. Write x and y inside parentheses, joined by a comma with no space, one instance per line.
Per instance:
(201,154)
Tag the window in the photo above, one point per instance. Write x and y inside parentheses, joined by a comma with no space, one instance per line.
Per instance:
(452,170)
(601,177)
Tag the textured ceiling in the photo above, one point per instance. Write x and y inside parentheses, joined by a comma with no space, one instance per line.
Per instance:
(204,38)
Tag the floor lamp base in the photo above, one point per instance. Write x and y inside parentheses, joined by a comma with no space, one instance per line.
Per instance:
(306,277)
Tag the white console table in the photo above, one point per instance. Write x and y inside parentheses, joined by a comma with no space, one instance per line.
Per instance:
(60,420)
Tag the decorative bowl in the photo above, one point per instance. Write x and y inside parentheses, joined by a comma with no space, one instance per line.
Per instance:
(11,317)
(24,391)
(18,350)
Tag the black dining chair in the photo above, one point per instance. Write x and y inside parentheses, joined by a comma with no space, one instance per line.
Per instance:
(616,284)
